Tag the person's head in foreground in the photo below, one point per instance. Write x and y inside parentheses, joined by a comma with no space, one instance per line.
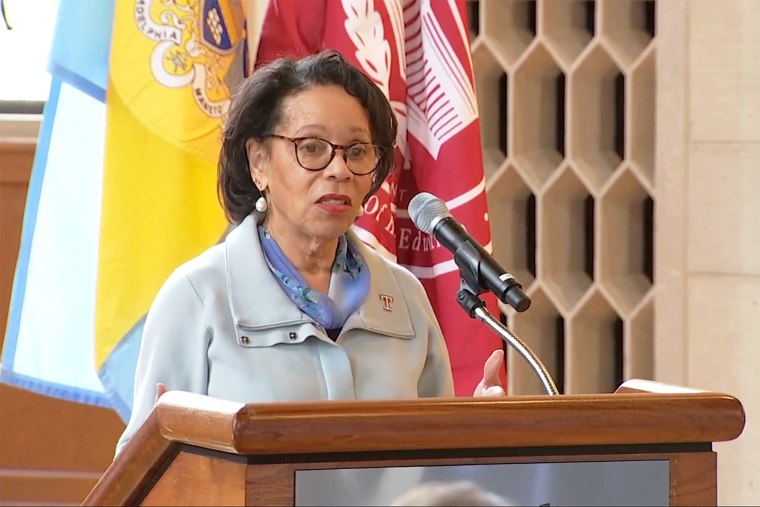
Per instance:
(449,494)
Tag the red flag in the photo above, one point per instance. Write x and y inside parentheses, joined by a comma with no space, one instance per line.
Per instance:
(417,52)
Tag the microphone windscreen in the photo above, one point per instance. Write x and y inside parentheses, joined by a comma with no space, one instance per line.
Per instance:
(426,210)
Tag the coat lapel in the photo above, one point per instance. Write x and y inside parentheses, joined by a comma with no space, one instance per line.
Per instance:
(256,299)
(258,302)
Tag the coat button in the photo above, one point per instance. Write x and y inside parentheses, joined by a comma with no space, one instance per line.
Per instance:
(293,335)
(245,340)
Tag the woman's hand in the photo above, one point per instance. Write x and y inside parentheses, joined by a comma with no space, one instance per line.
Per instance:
(160,389)
(490,385)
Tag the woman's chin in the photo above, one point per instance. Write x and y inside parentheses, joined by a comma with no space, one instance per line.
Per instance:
(328,229)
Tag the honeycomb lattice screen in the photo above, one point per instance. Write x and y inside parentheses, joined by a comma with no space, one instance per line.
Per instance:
(566,91)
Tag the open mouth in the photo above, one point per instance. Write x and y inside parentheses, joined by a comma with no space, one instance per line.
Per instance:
(335,200)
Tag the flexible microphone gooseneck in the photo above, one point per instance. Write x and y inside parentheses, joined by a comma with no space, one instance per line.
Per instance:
(479,272)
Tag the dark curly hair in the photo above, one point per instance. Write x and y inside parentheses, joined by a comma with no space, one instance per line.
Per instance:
(256,110)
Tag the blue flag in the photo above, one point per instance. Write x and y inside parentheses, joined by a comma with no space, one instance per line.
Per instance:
(49,342)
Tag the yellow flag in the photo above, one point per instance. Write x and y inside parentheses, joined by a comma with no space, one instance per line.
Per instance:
(172,66)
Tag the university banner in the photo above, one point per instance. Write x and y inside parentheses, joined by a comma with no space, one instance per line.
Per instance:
(417,52)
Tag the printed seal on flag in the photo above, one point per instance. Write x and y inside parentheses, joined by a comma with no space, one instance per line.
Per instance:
(175,65)
(195,44)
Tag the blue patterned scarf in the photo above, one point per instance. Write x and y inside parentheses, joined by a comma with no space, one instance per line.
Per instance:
(349,283)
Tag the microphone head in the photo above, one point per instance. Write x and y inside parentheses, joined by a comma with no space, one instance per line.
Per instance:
(426,210)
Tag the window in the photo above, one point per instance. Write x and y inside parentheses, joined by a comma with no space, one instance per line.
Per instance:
(24,49)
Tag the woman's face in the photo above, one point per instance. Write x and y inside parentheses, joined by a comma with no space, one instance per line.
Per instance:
(309,205)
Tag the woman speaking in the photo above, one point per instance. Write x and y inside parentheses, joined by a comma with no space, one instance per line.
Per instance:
(292,306)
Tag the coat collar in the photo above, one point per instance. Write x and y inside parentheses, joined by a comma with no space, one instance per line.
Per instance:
(257,301)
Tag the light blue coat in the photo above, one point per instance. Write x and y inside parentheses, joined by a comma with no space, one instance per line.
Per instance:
(221,325)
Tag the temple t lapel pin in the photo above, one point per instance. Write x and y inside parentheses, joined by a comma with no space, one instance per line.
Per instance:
(387,302)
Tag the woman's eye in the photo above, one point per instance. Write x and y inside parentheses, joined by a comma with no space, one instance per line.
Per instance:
(311,147)
(357,151)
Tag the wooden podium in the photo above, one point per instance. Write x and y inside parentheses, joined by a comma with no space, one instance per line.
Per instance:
(196,450)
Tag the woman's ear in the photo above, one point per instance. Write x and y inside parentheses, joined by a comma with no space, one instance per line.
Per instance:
(256,162)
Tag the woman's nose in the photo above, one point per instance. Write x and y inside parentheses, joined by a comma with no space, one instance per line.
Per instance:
(338,166)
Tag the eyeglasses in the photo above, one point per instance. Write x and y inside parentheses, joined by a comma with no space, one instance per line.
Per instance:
(314,154)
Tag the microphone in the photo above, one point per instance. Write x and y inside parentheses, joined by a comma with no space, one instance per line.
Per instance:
(430,214)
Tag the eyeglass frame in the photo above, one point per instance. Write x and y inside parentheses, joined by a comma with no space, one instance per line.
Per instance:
(295,140)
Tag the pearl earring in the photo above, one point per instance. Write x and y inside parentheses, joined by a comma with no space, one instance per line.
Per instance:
(261,205)
(361,211)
